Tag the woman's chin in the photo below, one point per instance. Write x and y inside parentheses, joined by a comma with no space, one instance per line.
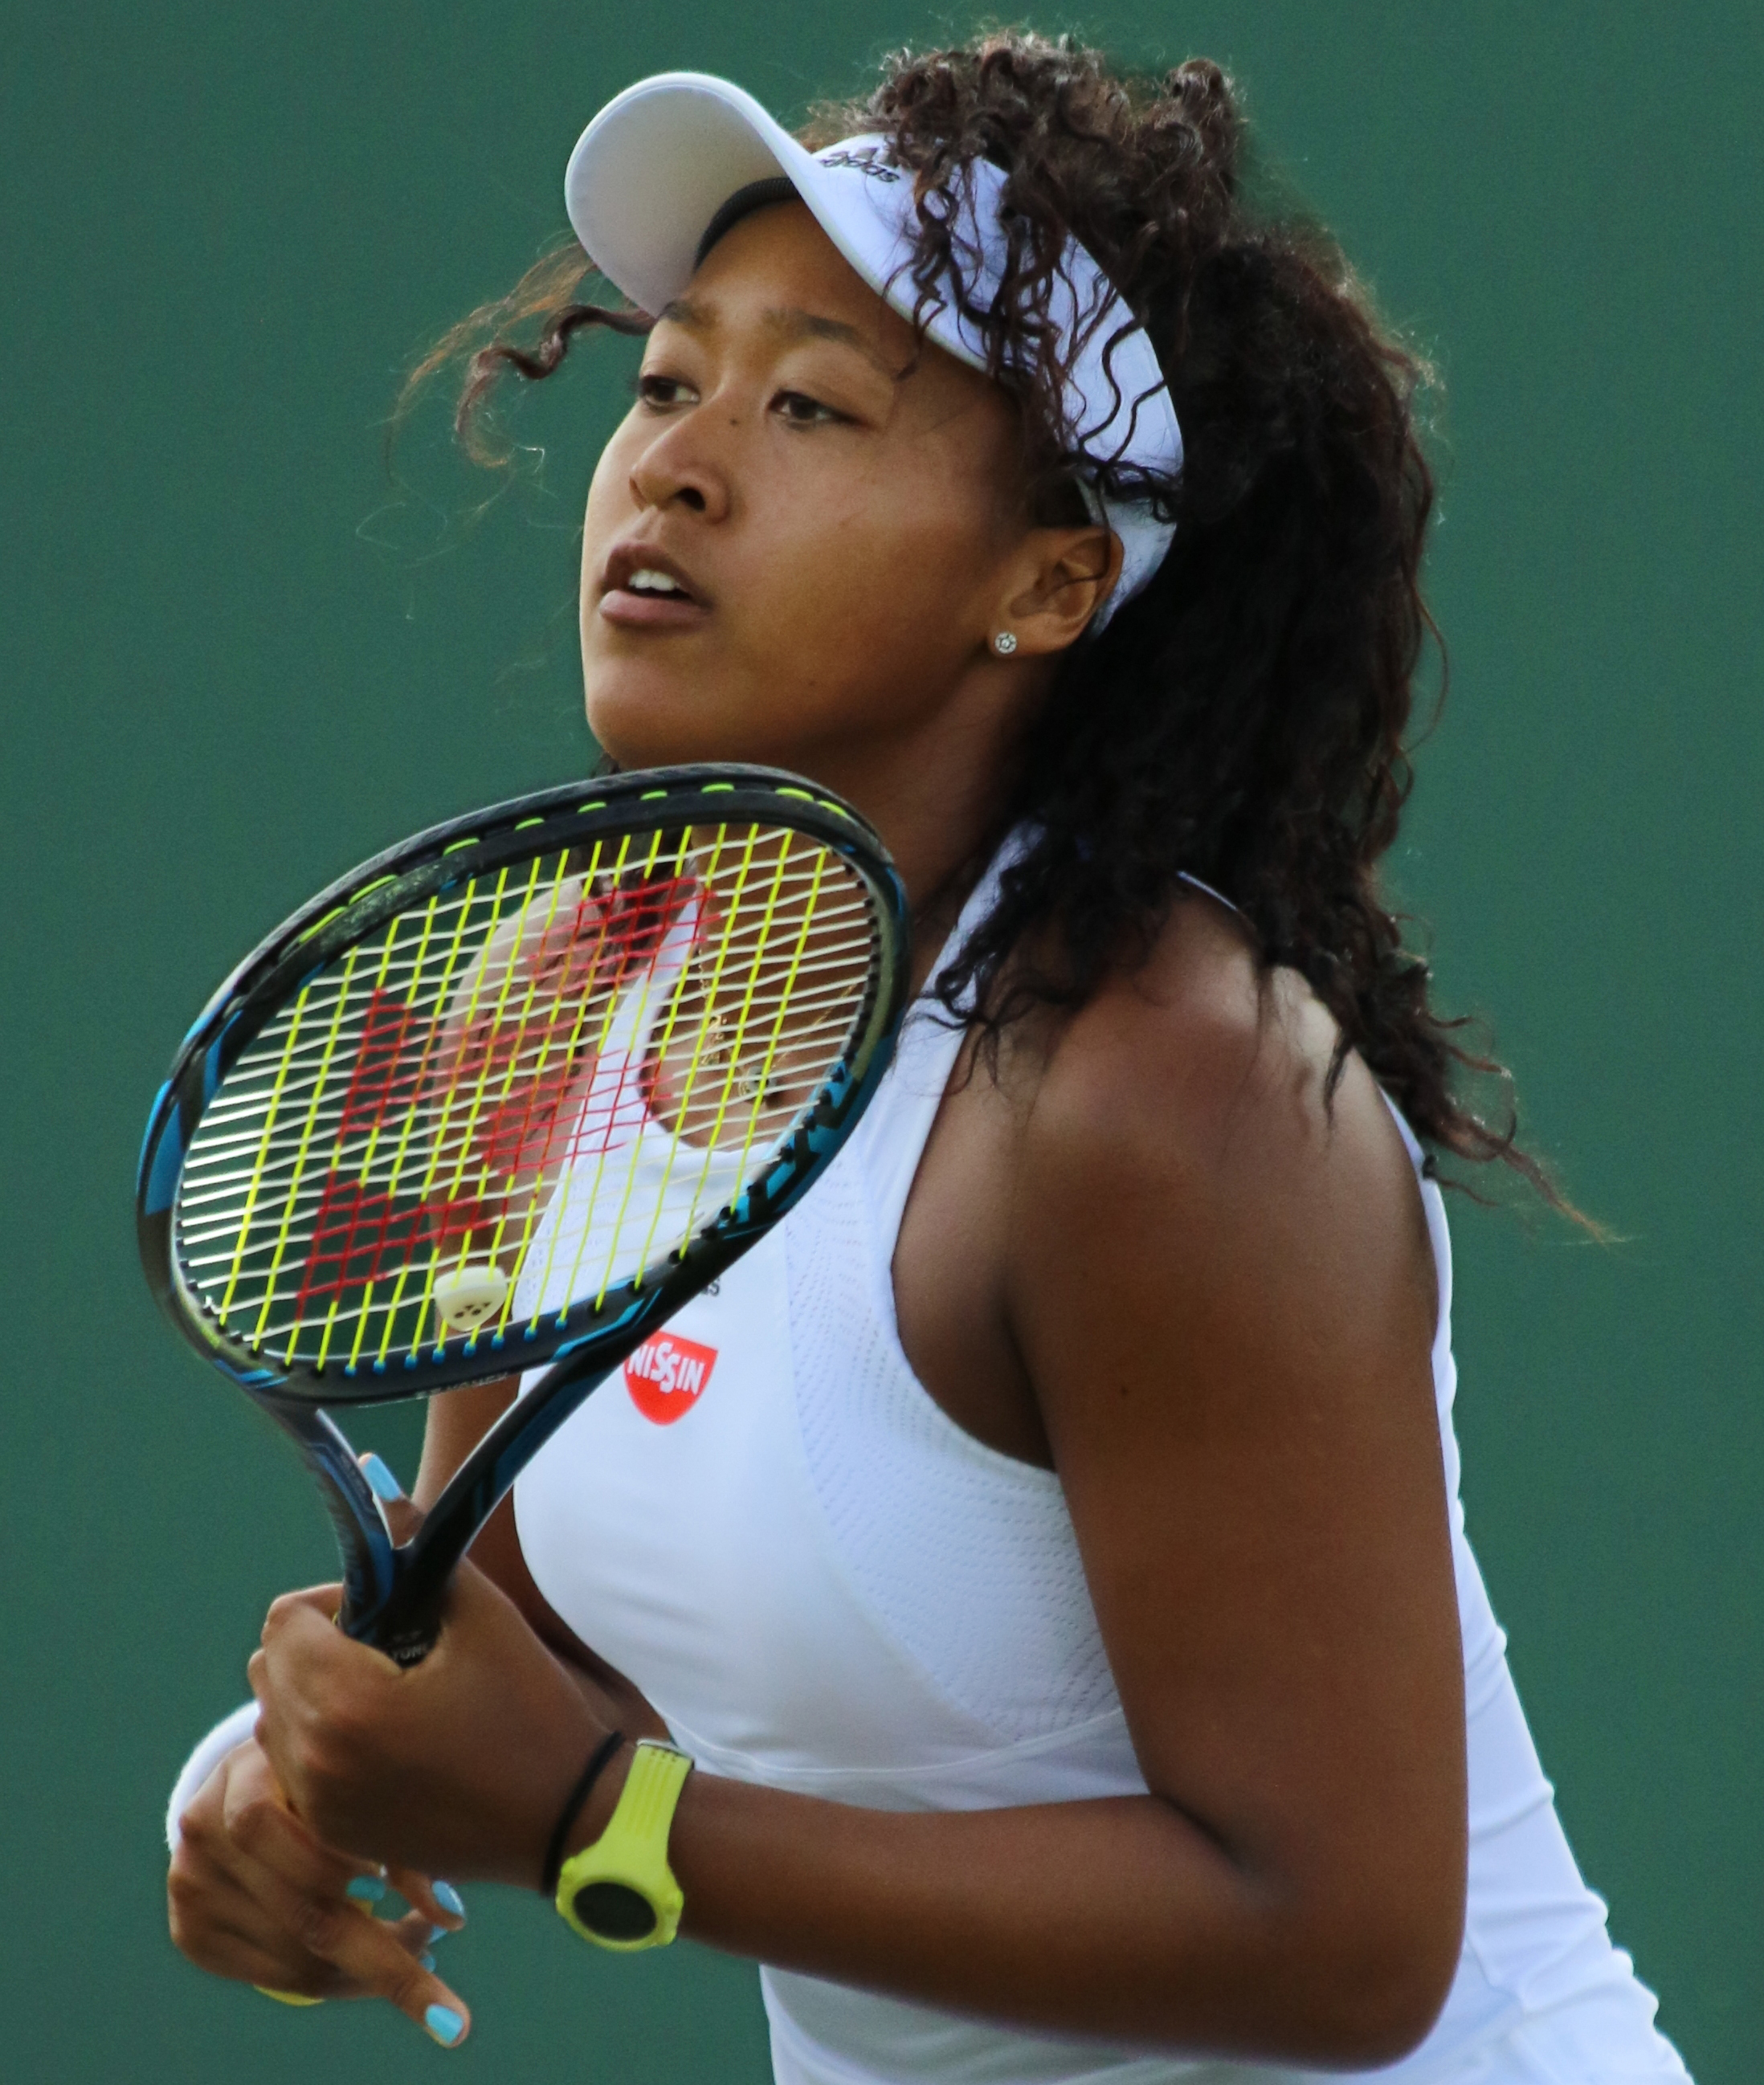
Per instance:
(646,719)
(650,740)
(649,720)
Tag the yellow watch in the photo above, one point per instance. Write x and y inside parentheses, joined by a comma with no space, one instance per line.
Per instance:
(620,1893)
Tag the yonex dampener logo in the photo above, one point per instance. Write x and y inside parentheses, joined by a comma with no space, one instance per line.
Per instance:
(667,1376)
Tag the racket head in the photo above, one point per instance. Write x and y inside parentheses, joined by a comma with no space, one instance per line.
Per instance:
(517,1088)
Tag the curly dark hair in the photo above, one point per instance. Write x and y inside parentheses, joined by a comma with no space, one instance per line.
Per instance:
(1244,719)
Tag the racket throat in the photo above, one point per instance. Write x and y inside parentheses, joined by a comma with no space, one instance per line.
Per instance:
(369,1559)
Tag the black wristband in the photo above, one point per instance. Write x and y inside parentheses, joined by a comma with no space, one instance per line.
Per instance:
(577,1796)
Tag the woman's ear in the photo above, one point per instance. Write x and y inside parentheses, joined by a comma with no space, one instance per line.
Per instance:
(1060,579)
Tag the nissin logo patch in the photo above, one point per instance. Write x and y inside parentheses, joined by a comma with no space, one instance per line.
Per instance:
(667,1376)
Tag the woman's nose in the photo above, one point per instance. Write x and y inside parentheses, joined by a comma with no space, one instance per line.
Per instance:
(679,469)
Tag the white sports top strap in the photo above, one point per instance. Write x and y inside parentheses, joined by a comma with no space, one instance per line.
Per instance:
(894,1133)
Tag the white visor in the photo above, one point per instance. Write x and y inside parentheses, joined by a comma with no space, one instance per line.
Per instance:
(651,171)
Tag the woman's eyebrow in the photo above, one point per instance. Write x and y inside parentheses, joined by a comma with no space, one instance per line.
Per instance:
(800,325)
(792,321)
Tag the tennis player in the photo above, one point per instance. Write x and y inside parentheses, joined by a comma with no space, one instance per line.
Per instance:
(1027,1606)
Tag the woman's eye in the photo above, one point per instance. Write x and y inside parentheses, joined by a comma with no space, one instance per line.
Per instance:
(801,410)
(657,390)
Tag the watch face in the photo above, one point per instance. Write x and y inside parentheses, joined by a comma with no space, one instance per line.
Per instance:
(614,1911)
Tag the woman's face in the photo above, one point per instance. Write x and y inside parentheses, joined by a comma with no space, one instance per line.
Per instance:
(844,536)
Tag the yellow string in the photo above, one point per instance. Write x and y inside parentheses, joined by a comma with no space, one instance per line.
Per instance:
(747,999)
(496,1023)
(615,1001)
(411,1112)
(262,1157)
(638,1023)
(362,1317)
(300,1157)
(559,1193)
(468,900)
(373,1132)
(732,1055)
(653,1052)
(783,1003)
(535,1200)
(325,1338)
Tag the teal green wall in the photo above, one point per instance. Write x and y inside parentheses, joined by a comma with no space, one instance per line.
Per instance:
(234,657)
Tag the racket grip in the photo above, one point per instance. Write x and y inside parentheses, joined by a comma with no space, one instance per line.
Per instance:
(405,1624)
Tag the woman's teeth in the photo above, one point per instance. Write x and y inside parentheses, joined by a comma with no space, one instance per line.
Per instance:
(649,582)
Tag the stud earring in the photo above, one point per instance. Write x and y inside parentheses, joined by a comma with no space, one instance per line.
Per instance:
(1005,643)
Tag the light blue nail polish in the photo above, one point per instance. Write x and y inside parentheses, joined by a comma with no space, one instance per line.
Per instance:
(425,1962)
(365,1889)
(439,1933)
(449,1899)
(444,2024)
(380,1480)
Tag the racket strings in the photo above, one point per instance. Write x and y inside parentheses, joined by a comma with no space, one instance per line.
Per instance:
(346,1221)
(516,1061)
(379,1088)
(515,1097)
(494,1143)
(387,1023)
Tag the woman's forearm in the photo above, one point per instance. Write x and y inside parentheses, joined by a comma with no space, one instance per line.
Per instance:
(1119,1918)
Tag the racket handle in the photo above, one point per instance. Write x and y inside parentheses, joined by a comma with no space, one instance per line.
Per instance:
(406,1624)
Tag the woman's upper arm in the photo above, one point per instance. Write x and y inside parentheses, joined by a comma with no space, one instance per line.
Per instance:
(1224,1297)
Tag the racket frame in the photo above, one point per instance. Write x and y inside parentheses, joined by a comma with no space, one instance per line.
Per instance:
(392,1595)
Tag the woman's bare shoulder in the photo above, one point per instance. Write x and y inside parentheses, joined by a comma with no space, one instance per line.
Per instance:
(1207,1080)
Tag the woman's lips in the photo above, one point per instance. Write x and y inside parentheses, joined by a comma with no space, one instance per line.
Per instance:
(651,611)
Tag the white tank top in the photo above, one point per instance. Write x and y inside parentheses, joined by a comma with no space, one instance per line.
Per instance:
(824,1584)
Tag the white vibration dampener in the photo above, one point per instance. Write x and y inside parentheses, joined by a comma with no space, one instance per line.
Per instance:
(465,1298)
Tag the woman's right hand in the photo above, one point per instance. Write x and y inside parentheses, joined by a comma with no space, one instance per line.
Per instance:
(252,1894)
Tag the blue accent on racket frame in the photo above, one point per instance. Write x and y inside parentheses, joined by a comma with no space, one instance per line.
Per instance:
(161,1190)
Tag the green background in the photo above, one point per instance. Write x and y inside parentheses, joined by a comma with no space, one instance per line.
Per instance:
(238,656)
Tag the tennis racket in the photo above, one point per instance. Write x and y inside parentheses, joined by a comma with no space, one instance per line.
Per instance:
(507,1096)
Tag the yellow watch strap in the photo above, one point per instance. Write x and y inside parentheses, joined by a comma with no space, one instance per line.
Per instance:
(620,1893)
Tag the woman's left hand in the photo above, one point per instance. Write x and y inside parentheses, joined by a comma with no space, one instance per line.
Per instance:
(456,1766)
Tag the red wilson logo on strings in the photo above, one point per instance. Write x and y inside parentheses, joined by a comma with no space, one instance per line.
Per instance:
(667,1375)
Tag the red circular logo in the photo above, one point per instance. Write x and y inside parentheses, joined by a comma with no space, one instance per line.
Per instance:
(667,1376)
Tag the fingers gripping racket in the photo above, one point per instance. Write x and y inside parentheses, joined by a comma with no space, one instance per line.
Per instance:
(507,1096)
